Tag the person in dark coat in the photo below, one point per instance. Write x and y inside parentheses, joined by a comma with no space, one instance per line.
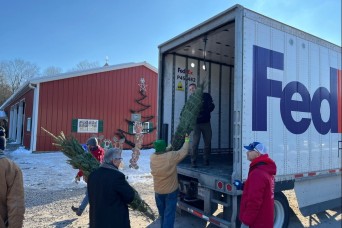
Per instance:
(109,194)
(202,127)
(2,138)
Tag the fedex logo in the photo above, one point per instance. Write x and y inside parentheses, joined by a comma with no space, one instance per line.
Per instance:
(264,88)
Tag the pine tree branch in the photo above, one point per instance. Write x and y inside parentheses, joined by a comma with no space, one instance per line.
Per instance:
(143,96)
(188,117)
(147,146)
(123,134)
(79,159)
(147,118)
(144,104)
(139,110)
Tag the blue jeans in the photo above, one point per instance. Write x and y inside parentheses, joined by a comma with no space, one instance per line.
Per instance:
(84,203)
(166,204)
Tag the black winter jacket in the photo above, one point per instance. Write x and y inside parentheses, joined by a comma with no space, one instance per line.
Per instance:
(109,195)
(207,107)
(2,143)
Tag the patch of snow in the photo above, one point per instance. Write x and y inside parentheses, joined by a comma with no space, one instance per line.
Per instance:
(52,172)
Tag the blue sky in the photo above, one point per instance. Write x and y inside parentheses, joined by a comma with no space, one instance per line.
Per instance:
(62,33)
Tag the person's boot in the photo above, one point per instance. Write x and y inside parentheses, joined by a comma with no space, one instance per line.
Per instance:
(79,212)
(74,209)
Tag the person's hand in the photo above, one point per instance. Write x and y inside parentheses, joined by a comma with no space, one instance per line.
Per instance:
(238,184)
(187,138)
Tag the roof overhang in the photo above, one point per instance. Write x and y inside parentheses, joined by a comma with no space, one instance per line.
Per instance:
(3,115)
(19,92)
(91,71)
(34,81)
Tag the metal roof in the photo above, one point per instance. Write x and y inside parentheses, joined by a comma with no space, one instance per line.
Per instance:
(28,84)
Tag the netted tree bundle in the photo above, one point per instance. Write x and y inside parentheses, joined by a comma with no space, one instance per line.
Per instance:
(80,159)
(188,117)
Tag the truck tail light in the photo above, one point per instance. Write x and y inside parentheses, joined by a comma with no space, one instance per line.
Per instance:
(219,184)
(229,187)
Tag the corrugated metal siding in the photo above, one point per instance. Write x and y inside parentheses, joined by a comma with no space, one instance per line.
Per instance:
(107,96)
(28,98)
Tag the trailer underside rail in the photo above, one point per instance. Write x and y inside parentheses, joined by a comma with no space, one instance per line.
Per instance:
(212,219)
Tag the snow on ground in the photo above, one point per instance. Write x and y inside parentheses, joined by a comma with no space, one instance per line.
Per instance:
(52,172)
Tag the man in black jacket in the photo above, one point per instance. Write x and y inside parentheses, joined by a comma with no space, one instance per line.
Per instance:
(109,194)
(202,127)
(2,139)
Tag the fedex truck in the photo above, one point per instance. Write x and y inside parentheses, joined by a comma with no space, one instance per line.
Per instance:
(270,83)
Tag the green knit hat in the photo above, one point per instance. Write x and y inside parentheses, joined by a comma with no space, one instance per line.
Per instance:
(159,146)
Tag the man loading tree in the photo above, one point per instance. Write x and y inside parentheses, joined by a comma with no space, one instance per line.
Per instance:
(202,127)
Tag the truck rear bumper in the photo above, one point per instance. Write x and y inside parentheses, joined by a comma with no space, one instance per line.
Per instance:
(210,218)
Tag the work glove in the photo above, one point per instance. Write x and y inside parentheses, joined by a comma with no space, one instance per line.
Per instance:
(187,138)
(238,184)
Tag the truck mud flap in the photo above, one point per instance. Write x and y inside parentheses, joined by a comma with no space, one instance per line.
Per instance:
(212,219)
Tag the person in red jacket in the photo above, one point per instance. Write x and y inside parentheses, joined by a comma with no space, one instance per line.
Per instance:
(98,152)
(257,202)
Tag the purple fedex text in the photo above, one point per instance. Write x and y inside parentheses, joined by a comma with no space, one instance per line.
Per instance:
(263,88)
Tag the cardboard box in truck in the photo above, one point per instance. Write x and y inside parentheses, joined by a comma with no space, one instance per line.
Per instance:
(270,83)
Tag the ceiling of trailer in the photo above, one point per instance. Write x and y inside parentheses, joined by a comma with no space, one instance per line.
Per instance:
(219,46)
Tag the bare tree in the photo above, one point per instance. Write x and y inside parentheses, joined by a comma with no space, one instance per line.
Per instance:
(84,65)
(5,90)
(52,71)
(17,71)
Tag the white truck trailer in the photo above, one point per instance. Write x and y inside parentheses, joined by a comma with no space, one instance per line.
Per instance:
(270,83)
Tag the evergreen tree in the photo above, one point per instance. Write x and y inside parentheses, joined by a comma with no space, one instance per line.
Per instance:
(80,159)
(129,135)
(188,117)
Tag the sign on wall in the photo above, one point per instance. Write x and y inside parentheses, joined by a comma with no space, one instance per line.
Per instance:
(87,126)
(182,75)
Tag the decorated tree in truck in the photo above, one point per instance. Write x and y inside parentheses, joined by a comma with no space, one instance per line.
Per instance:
(139,124)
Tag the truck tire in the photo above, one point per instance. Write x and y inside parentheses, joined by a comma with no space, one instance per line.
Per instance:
(281,210)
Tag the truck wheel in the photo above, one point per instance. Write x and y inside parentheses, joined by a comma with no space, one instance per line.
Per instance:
(281,210)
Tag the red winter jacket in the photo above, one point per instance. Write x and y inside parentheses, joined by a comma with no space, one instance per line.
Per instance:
(257,202)
(98,153)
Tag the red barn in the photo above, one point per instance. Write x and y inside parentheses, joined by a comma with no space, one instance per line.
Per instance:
(94,102)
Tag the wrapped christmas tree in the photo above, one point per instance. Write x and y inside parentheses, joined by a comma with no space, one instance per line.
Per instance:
(79,159)
(188,117)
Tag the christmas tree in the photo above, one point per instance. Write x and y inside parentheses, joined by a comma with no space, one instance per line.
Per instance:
(80,159)
(137,125)
(188,117)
